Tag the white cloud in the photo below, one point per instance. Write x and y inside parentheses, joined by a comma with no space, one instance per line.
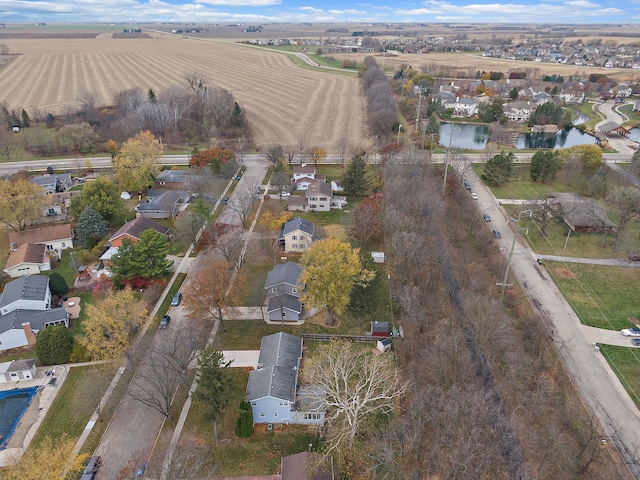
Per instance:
(241,3)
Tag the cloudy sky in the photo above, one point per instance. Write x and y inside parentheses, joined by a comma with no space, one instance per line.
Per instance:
(318,11)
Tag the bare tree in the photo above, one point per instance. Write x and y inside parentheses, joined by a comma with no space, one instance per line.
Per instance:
(241,206)
(343,146)
(355,386)
(197,82)
(187,460)
(280,181)
(626,201)
(228,242)
(164,370)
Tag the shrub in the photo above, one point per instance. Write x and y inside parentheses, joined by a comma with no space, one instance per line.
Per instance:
(244,423)
(57,284)
(54,345)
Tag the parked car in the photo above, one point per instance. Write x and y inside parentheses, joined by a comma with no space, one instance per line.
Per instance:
(636,342)
(467,185)
(285,194)
(631,332)
(487,217)
(164,322)
(92,467)
(497,234)
(177,298)
(474,195)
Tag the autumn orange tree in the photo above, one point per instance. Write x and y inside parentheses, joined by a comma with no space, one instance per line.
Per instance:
(209,294)
(366,220)
(135,165)
(317,154)
(214,158)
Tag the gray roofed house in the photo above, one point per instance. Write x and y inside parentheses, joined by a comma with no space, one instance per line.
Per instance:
(164,204)
(581,214)
(25,309)
(272,387)
(17,370)
(283,292)
(180,179)
(53,183)
(296,235)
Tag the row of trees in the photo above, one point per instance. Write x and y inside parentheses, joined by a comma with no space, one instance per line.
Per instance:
(382,109)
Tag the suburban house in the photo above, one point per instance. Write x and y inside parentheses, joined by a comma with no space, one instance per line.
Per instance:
(178,180)
(55,237)
(580,214)
(53,183)
(273,389)
(131,231)
(296,235)
(25,309)
(17,370)
(28,259)
(304,176)
(571,96)
(318,196)
(465,107)
(519,111)
(283,292)
(162,204)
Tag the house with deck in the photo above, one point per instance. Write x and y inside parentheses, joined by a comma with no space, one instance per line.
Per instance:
(55,238)
(273,389)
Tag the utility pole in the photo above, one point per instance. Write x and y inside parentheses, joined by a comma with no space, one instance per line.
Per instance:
(418,112)
(504,283)
(446,161)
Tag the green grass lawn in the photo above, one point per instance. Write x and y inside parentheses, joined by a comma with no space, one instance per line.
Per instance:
(603,297)
(259,454)
(625,362)
(76,401)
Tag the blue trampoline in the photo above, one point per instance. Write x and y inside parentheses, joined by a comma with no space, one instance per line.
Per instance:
(13,404)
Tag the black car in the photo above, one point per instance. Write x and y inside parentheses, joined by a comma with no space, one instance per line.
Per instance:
(164,322)
(496,233)
(487,217)
(635,341)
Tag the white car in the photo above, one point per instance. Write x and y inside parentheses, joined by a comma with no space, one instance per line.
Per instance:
(285,194)
(474,196)
(631,332)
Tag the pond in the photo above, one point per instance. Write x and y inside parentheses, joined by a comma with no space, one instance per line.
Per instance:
(634,134)
(468,136)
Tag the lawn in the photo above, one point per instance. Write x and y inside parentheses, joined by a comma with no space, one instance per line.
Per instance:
(76,401)
(625,362)
(259,454)
(603,297)
(521,187)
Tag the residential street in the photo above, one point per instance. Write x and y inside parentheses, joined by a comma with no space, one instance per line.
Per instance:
(134,428)
(592,376)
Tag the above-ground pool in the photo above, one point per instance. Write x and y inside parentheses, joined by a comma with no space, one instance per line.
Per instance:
(13,404)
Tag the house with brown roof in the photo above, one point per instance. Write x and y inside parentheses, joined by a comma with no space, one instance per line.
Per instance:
(54,237)
(131,231)
(319,197)
(28,259)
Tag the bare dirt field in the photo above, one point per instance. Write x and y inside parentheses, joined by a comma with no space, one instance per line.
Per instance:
(282,101)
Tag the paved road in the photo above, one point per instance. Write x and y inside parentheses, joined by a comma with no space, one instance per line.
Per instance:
(596,383)
(612,262)
(132,432)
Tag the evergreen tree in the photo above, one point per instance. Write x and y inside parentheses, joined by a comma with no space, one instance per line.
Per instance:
(244,423)
(91,225)
(499,169)
(57,284)
(513,94)
(145,259)
(26,121)
(54,345)
(545,165)
(214,384)
(354,178)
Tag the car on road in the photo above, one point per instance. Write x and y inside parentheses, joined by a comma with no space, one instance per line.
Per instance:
(631,332)
(285,194)
(487,217)
(92,467)
(467,185)
(164,322)
(474,195)
(497,234)
(636,342)
(177,298)
(226,200)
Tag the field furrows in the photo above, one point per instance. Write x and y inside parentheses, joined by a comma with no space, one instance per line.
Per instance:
(282,101)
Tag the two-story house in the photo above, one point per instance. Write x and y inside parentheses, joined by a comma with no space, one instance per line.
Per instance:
(318,197)
(283,292)
(296,235)
(53,183)
(25,309)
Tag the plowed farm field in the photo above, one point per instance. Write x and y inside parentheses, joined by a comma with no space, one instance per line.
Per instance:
(283,102)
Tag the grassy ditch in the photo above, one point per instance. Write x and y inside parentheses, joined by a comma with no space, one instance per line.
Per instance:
(625,362)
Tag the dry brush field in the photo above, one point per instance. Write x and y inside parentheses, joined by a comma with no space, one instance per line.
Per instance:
(282,101)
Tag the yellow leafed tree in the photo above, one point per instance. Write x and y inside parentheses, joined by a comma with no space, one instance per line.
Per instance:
(21,202)
(330,269)
(49,459)
(135,165)
(112,323)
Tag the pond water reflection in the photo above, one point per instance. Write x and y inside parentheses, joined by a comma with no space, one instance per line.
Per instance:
(474,137)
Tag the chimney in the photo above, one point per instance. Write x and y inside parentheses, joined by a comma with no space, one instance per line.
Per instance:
(31,337)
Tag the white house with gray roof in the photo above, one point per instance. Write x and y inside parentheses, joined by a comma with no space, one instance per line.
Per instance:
(296,235)
(53,183)
(25,309)
(273,389)
(283,292)
(162,203)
